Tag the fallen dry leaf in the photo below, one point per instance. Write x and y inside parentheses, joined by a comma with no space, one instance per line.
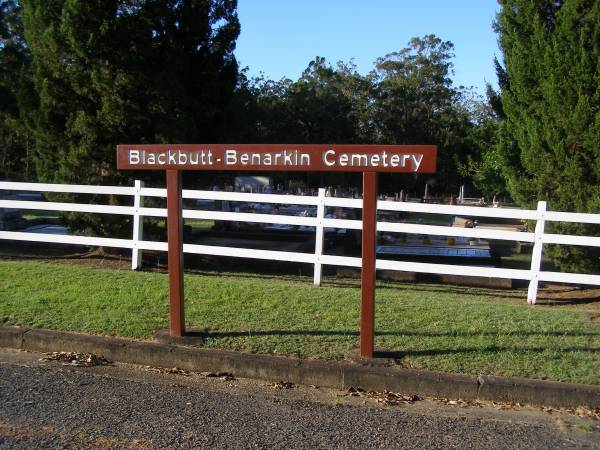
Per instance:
(392,398)
(386,398)
(459,402)
(225,376)
(173,370)
(177,371)
(588,413)
(355,392)
(282,385)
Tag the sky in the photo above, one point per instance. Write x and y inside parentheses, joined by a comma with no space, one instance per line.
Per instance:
(280,37)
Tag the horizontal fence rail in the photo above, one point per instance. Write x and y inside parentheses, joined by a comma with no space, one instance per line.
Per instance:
(319,222)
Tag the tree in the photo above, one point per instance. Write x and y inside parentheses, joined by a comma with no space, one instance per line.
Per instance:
(484,167)
(408,99)
(416,103)
(324,107)
(326,104)
(14,64)
(115,71)
(550,93)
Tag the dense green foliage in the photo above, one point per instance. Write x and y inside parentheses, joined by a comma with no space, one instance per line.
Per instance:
(454,329)
(126,71)
(15,145)
(109,72)
(415,102)
(484,167)
(408,98)
(549,141)
(100,73)
(81,77)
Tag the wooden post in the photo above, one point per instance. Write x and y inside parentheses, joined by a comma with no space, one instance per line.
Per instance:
(367,279)
(175,258)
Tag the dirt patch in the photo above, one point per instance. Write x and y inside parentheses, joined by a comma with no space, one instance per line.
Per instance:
(571,296)
(96,262)
(94,258)
(557,292)
(90,259)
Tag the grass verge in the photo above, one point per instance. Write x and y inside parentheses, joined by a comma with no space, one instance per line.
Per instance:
(453,329)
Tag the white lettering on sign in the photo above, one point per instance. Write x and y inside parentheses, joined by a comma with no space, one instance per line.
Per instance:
(328,162)
(171,157)
(286,157)
(417,161)
(134,157)
(283,158)
(382,159)
(230,157)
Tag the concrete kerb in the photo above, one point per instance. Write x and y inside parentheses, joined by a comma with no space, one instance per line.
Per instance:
(12,337)
(538,392)
(334,374)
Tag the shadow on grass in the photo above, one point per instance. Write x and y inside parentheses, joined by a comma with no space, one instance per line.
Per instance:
(543,299)
(492,349)
(230,334)
(400,354)
(566,302)
(381,285)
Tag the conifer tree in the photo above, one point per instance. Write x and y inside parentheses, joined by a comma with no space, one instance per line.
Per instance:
(550,138)
(118,71)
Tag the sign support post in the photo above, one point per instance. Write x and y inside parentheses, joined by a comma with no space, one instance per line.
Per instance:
(175,256)
(367,276)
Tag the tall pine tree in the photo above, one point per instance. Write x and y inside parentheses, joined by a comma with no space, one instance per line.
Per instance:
(550,138)
(117,71)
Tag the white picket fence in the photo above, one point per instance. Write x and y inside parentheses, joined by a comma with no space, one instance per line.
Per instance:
(321,201)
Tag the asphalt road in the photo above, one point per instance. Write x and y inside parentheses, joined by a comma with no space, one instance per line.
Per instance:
(48,405)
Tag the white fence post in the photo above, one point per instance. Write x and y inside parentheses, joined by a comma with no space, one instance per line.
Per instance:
(319,236)
(138,226)
(536,254)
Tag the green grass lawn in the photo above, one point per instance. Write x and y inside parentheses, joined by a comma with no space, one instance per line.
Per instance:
(454,329)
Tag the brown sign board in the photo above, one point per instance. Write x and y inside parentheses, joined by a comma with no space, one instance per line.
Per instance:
(278,157)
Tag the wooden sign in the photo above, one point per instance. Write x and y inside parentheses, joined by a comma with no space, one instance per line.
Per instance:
(368,159)
(278,157)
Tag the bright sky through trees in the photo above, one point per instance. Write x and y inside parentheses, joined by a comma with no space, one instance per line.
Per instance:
(280,37)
